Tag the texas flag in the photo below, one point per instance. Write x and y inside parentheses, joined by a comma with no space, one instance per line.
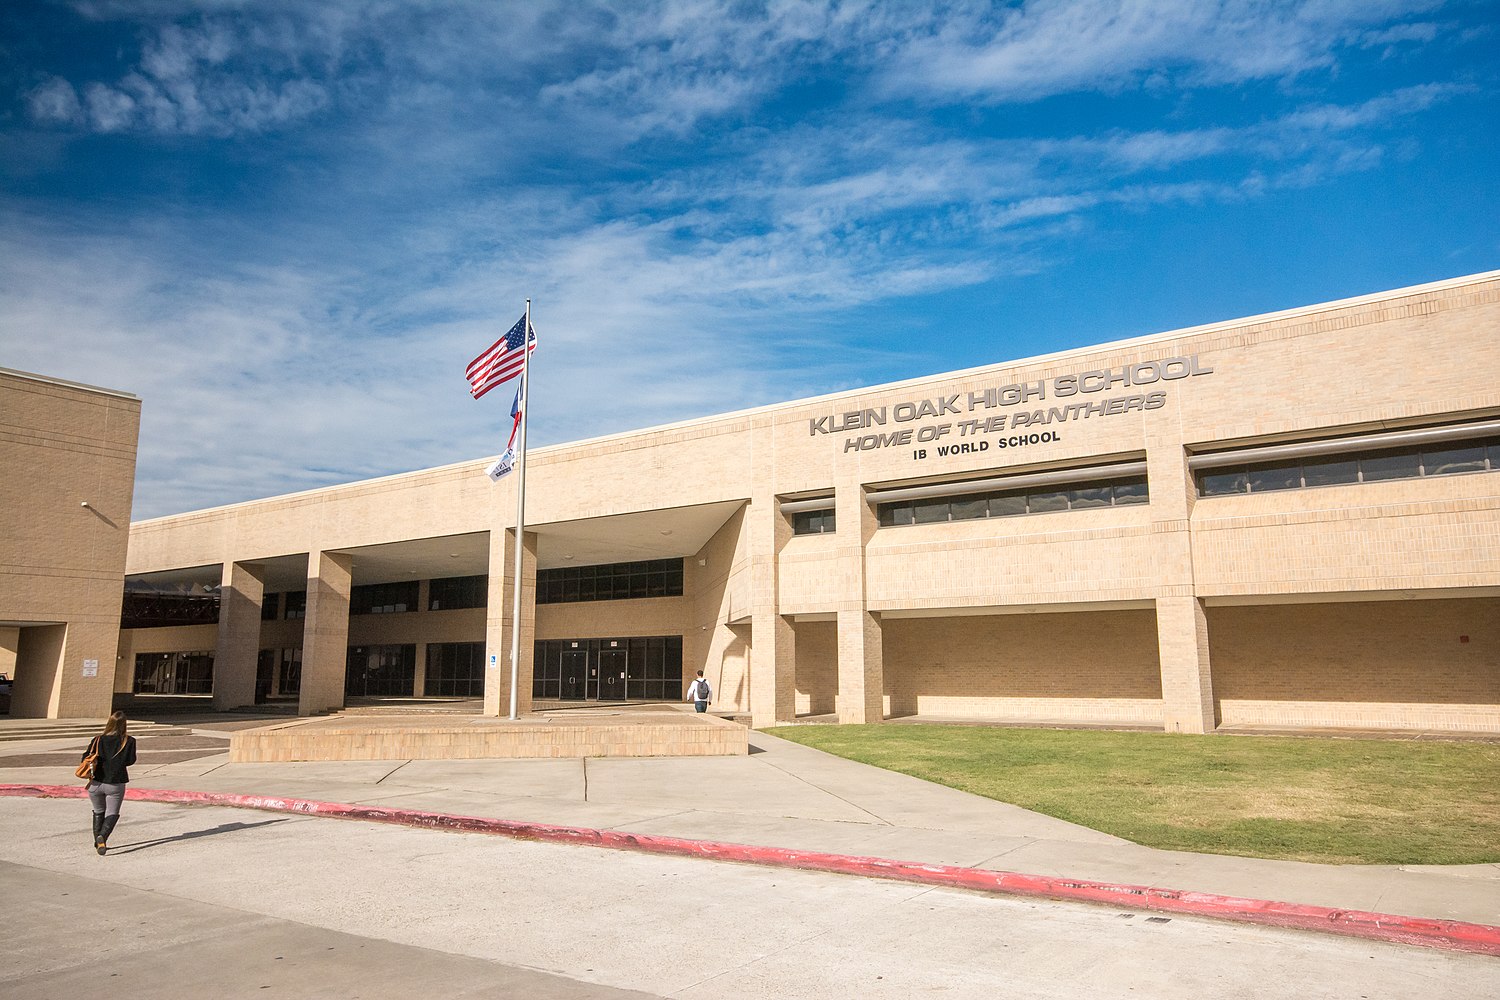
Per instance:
(507,461)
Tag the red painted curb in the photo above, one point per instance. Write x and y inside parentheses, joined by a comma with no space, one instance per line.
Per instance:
(1453,935)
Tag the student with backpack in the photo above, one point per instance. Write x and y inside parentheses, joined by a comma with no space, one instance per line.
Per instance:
(699,693)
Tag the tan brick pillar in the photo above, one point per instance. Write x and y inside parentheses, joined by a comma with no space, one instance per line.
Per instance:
(499,610)
(242,588)
(419,676)
(773,643)
(861,647)
(1187,689)
(1181,628)
(325,631)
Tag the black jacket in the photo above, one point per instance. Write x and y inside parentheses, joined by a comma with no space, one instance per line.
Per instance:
(110,768)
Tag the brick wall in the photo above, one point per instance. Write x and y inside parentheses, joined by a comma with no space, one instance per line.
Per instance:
(64,446)
(1378,664)
(1084,666)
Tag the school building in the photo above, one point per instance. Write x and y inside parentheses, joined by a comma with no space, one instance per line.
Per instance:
(1290,520)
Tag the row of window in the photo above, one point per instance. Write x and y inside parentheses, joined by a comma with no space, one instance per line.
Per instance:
(454,669)
(1011,503)
(454,592)
(655,578)
(445,594)
(610,582)
(640,668)
(1416,462)
(144,609)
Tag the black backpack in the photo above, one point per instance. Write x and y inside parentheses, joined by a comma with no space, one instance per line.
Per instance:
(704,691)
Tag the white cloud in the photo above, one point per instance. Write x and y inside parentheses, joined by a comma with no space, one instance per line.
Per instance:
(1063,46)
(55,101)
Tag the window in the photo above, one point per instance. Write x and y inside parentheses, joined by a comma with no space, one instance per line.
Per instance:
(383,598)
(289,672)
(813,522)
(268,607)
(1334,472)
(455,592)
(966,508)
(148,609)
(294,604)
(612,582)
(389,671)
(455,669)
(1267,477)
(174,673)
(566,668)
(1012,503)
(1415,462)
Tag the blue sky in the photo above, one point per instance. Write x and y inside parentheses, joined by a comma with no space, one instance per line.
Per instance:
(288,226)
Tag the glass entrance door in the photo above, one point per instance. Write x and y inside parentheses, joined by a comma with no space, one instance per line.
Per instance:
(612,675)
(575,671)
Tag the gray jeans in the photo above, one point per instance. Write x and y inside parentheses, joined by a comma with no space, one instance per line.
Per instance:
(106,798)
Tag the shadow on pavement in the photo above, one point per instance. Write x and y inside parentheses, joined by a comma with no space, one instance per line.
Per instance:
(192,835)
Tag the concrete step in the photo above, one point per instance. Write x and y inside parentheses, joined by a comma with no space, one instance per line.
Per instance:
(417,706)
(44,729)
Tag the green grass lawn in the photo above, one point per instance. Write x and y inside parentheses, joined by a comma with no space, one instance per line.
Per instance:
(1336,801)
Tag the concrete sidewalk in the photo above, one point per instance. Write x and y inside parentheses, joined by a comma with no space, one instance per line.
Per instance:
(789,796)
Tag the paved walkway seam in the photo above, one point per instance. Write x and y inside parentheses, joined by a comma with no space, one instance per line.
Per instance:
(1452,935)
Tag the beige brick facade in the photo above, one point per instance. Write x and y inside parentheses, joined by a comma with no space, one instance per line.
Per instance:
(1319,606)
(67,453)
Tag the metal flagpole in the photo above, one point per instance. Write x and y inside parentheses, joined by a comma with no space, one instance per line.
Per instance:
(515,624)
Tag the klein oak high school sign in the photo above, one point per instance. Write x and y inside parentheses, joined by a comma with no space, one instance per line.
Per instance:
(979,429)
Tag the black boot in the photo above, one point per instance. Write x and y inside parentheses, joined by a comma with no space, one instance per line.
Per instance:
(102,841)
(98,824)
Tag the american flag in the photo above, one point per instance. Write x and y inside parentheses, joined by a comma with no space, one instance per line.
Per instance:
(501,362)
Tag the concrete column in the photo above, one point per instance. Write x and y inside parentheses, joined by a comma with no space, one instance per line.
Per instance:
(325,631)
(861,651)
(241,591)
(419,678)
(861,695)
(1181,628)
(498,613)
(773,643)
(1186,680)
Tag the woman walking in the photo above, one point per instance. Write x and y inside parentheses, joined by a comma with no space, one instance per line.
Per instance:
(116,752)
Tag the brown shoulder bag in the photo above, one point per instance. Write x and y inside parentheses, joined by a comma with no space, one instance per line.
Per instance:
(85,768)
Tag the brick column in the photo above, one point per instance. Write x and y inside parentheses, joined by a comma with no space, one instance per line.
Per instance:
(1186,680)
(419,677)
(773,643)
(1181,628)
(498,612)
(325,631)
(241,590)
(861,647)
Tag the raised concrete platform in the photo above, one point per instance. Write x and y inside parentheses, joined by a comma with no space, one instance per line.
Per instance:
(647,731)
